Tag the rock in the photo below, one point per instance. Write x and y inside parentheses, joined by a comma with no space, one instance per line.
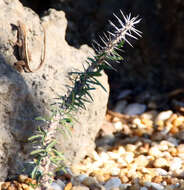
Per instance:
(80,187)
(135,109)
(175,164)
(124,186)
(128,157)
(160,162)
(143,188)
(25,96)
(162,116)
(141,161)
(112,183)
(68,186)
(115,171)
(106,140)
(81,178)
(56,186)
(154,185)
(154,151)
(118,126)
(88,181)
(120,106)
(160,171)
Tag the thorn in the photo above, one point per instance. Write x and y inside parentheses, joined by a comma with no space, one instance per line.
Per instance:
(123,16)
(111,23)
(136,31)
(105,61)
(97,43)
(119,20)
(105,36)
(103,40)
(127,41)
(111,33)
(128,34)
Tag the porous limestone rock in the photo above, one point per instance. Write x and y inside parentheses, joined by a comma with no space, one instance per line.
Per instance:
(24,96)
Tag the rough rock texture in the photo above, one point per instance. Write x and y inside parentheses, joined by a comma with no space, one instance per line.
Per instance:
(23,96)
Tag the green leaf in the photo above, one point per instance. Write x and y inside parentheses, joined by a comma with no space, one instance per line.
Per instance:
(40,118)
(37,151)
(34,172)
(52,144)
(35,137)
(58,154)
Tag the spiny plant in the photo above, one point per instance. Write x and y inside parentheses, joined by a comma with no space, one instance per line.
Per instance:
(47,158)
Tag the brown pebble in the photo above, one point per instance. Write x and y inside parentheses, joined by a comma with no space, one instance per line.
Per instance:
(68,186)
(22,178)
(5,185)
(157,179)
(124,179)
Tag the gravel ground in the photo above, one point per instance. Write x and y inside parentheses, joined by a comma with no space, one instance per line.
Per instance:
(143,152)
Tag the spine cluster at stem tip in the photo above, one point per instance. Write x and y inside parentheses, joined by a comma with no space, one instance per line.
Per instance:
(111,39)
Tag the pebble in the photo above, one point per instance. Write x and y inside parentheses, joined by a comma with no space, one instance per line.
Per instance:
(162,116)
(123,160)
(142,161)
(134,109)
(154,151)
(57,186)
(112,183)
(175,164)
(160,171)
(124,186)
(115,171)
(80,187)
(118,126)
(80,178)
(160,162)
(154,185)
(137,123)
(129,157)
(120,106)
(88,181)
(150,115)
(143,188)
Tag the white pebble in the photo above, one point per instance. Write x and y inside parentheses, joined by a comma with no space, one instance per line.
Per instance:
(118,126)
(104,156)
(155,185)
(121,150)
(160,162)
(129,157)
(143,188)
(95,155)
(162,147)
(154,151)
(97,164)
(115,171)
(162,116)
(113,155)
(150,115)
(122,162)
(137,123)
(112,183)
(160,171)
(58,185)
(175,164)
